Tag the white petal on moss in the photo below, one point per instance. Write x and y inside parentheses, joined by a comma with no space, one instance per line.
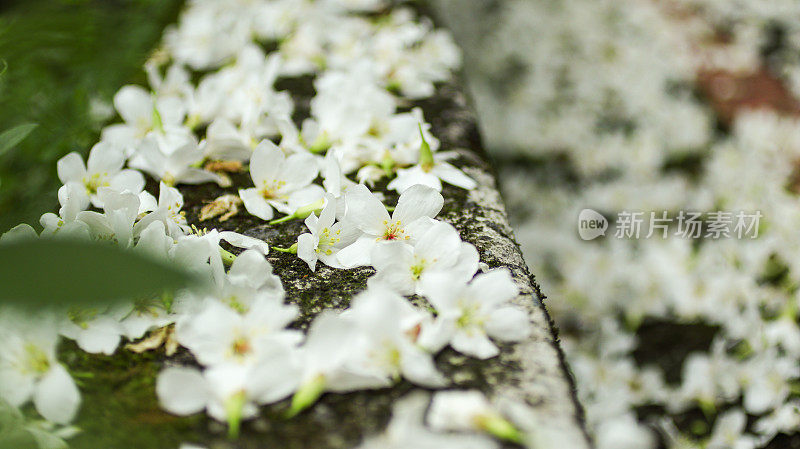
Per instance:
(182,391)
(306,250)
(418,201)
(56,397)
(255,204)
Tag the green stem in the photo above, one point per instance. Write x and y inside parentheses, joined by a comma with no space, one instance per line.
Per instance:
(321,145)
(302,212)
(501,428)
(283,219)
(387,164)
(306,395)
(227,257)
(292,249)
(425,153)
(233,410)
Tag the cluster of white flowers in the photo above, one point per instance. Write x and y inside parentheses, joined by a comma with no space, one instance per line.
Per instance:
(609,85)
(238,327)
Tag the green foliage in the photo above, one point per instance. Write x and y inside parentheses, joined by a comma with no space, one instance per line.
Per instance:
(10,138)
(58,57)
(37,273)
(15,432)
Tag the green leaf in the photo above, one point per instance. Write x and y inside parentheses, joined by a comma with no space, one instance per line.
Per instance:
(61,272)
(10,138)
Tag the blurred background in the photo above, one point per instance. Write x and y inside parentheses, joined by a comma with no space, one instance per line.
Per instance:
(62,61)
(656,106)
(662,106)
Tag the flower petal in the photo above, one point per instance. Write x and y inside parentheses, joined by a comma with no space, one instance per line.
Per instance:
(267,163)
(71,168)
(56,397)
(418,367)
(299,170)
(243,241)
(494,287)
(105,158)
(134,105)
(508,324)
(412,176)
(365,211)
(475,344)
(130,180)
(256,204)
(306,246)
(418,201)
(358,253)
(182,391)
(454,176)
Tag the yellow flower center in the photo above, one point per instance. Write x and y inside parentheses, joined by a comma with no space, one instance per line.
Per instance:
(271,190)
(94,182)
(394,231)
(37,361)
(327,240)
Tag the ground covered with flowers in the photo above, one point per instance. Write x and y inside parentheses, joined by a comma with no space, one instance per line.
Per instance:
(664,107)
(315,166)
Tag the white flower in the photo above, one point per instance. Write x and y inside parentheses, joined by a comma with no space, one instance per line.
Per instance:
(458,410)
(469,411)
(326,237)
(326,358)
(29,369)
(154,242)
(249,280)
(243,94)
(623,432)
(439,249)
(220,335)
(19,232)
(280,182)
(386,344)
(349,104)
(229,392)
(73,199)
(783,419)
(138,317)
(103,169)
(471,313)
(207,35)
(142,114)
(728,432)
(767,383)
(334,180)
(414,212)
(167,211)
(208,249)
(407,430)
(432,175)
(115,224)
(331,345)
(93,330)
(226,142)
(173,165)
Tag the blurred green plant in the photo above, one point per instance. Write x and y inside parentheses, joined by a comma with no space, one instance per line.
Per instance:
(58,59)
(18,432)
(50,272)
(10,138)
